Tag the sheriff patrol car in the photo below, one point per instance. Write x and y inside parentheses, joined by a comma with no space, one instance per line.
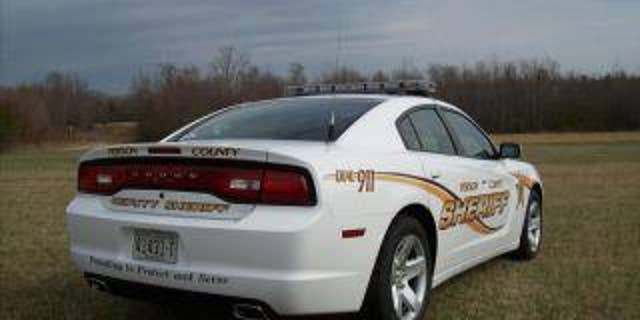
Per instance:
(324,202)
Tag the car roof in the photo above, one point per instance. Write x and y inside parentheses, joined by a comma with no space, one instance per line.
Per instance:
(391,98)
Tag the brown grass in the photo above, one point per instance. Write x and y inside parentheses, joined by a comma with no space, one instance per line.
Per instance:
(570,137)
(588,268)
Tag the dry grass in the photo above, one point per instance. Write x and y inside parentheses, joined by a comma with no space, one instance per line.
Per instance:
(587,270)
(570,137)
(76,140)
(588,267)
(116,131)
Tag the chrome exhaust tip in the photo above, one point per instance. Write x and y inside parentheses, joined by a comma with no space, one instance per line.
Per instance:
(249,312)
(95,283)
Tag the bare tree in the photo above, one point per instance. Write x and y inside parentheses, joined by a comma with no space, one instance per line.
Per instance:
(296,74)
(343,74)
(504,96)
(379,76)
(407,71)
(229,64)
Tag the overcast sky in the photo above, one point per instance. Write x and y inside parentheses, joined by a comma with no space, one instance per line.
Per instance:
(108,41)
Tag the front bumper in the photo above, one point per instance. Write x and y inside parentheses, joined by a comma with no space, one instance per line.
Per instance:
(292,259)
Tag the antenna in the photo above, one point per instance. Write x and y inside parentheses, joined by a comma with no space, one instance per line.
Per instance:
(338,43)
(332,126)
(332,113)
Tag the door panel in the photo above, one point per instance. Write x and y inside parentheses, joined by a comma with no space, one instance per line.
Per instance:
(442,170)
(491,205)
(475,199)
(455,238)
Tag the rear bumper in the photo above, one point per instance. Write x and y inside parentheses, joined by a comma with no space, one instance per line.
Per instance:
(291,259)
(214,305)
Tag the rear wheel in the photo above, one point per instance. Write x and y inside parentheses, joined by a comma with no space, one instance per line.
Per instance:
(401,281)
(531,236)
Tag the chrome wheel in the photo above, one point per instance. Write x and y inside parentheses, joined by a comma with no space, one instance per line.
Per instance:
(408,277)
(534,226)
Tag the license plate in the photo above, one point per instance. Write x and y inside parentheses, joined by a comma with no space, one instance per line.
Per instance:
(160,246)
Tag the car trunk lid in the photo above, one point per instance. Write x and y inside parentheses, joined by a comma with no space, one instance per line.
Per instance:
(224,182)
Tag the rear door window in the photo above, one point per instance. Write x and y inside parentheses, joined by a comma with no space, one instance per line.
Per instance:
(431,131)
(408,134)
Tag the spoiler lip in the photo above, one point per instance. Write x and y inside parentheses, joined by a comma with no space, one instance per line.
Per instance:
(196,151)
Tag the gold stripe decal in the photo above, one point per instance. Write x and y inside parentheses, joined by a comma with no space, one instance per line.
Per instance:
(523,181)
(455,211)
(429,186)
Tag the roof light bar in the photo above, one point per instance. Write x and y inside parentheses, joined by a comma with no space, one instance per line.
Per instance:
(402,87)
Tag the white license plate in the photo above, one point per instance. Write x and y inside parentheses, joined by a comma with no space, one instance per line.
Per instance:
(160,246)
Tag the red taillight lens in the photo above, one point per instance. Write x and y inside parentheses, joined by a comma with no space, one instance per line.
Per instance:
(286,187)
(237,185)
(241,185)
(101,179)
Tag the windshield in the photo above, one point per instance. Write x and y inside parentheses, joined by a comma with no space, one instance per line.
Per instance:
(283,119)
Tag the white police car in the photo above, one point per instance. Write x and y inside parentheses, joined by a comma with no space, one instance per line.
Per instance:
(328,202)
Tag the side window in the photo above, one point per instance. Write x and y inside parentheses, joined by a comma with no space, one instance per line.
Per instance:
(431,132)
(408,134)
(474,143)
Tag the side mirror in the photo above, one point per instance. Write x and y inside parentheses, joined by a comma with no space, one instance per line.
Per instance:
(510,151)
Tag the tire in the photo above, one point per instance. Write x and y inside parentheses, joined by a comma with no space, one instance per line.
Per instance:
(392,283)
(530,247)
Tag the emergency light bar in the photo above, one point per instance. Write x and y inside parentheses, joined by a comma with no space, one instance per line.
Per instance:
(403,87)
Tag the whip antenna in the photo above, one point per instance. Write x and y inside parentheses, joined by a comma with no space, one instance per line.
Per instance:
(332,114)
(332,126)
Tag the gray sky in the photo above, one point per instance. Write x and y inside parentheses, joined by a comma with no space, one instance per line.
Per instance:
(108,41)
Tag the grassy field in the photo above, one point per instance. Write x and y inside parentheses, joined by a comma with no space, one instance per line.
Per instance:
(589,267)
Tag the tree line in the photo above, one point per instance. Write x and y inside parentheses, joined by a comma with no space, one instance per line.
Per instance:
(503,96)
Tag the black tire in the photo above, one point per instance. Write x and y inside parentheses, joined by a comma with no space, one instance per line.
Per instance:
(525,250)
(378,303)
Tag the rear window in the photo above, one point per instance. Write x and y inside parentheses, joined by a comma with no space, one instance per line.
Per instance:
(284,119)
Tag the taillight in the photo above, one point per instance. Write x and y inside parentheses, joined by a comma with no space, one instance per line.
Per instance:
(100,179)
(236,185)
(277,186)
(286,187)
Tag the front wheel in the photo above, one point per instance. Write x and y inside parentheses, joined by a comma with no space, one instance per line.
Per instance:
(531,236)
(401,281)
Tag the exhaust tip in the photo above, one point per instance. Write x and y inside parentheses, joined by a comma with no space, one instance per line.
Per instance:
(249,312)
(97,284)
